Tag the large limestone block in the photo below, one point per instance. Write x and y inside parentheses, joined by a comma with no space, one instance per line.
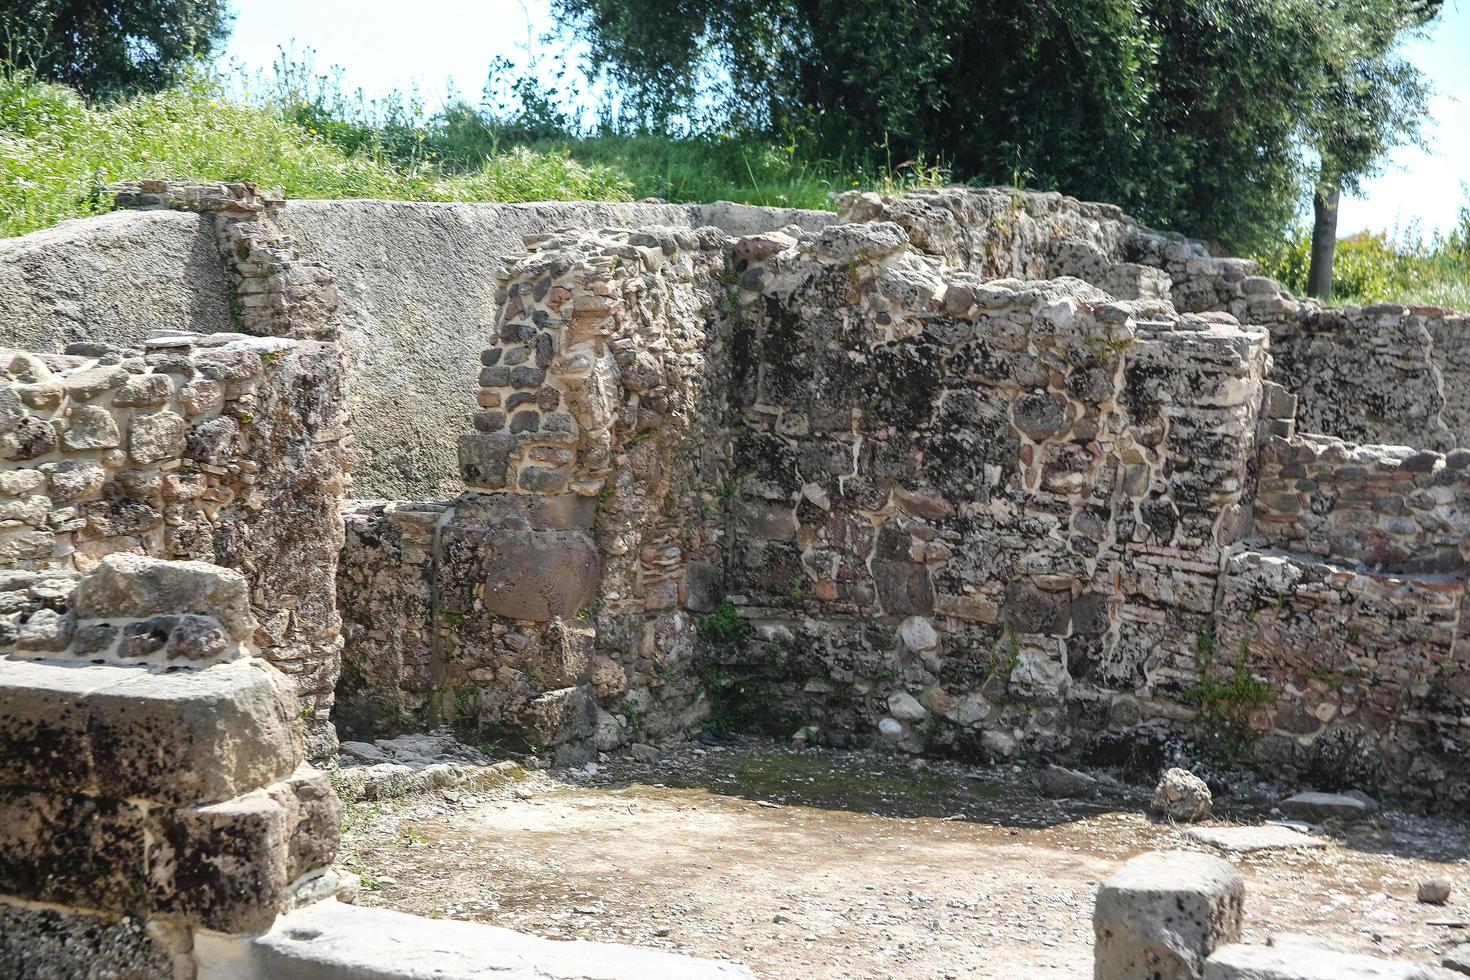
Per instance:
(1291,962)
(222,866)
(72,849)
(525,574)
(1163,913)
(136,732)
(225,866)
(134,586)
(332,941)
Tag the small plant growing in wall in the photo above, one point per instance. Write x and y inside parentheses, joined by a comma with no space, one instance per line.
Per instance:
(724,625)
(1226,705)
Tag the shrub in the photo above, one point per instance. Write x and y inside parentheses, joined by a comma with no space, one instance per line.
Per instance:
(1377,267)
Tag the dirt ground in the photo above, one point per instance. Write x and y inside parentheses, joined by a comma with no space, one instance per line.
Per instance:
(825,864)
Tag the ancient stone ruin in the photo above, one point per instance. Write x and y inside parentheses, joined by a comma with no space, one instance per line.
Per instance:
(965,472)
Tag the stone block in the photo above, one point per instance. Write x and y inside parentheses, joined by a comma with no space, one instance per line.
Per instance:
(332,941)
(1248,840)
(177,737)
(222,866)
(1291,962)
(313,819)
(134,586)
(562,716)
(1329,806)
(1163,913)
(539,575)
(73,849)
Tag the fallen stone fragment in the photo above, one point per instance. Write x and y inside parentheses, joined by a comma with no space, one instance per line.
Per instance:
(332,940)
(1181,795)
(1162,913)
(1290,962)
(1059,782)
(1435,891)
(1328,806)
(1247,840)
(1457,960)
(644,753)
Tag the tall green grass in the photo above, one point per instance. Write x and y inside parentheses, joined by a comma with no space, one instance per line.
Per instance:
(57,154)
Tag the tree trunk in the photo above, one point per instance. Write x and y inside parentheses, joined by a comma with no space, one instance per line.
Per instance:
(1324,238)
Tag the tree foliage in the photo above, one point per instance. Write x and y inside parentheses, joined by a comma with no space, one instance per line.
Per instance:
(1204,115)
(106,48)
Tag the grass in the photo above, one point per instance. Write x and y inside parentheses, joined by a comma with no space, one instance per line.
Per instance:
(57,153)
(305,134)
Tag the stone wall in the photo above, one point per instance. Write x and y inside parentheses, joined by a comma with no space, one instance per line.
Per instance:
(152,783)
(221,448)
(828,481)
(968,509)
(1385,507)
(1381,374)
(418,281)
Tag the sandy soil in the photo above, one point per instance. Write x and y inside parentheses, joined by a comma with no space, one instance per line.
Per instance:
(814,864)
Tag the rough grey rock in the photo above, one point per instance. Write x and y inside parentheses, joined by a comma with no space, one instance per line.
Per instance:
(1245,840)
(1328,806)
(1162,913)
(49,944)
(1060,782)
(1435,891)
(332,941)
(1292,962)
(137,586)
(1181,795)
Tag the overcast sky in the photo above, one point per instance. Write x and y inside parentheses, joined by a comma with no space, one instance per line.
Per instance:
(433,44)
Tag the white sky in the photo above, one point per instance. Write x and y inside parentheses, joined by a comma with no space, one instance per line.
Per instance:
(431,44)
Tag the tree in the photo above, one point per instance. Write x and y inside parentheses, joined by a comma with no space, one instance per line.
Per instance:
(110,47)
(1194,114)
(1374,101)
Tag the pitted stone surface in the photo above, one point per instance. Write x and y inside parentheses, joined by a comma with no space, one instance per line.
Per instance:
(177,737)
(1163,913)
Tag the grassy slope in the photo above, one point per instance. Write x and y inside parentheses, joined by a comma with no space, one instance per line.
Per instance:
(57,153)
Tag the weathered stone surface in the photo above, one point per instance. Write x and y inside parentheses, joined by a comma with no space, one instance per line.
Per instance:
(38,943)
(407,450)
(1163,913)
(1060,782)
(1240,962)
(1247,840)
(181,736)
(539,575)
(134,272)
(222,866)
(1328,806)
(138,586)
(1181,795)
(331,941)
